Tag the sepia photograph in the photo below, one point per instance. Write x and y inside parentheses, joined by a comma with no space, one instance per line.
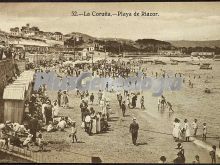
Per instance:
(119,82)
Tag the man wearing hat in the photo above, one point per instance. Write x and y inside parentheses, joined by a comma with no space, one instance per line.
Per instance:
(180,157)
(134,127)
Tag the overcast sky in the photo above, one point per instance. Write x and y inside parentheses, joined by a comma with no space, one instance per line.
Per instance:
(176,21)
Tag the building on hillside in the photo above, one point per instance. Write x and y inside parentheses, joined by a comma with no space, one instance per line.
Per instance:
(58,36)
(91,48)
(77,37)
(47,35)
(15,31)
(28,31)
(30,45)
(83,53)
(99,47)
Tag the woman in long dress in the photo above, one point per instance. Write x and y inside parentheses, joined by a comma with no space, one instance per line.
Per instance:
(187,130)
(128,101)
(65,99)
(93,117)
(103,105)
(176,129)
(98,123)
(55,109)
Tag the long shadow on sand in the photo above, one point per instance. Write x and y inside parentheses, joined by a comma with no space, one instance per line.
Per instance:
(141,144)
(79,142)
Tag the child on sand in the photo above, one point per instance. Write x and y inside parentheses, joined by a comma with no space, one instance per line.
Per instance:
(187,130)
(213,154)
(196,161)
(73,132)
(195,127)
(162,159)
(40,142)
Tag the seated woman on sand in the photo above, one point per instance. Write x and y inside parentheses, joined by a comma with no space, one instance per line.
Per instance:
(51,127)
(62,124)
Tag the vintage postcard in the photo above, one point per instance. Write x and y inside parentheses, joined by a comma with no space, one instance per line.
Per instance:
(128,82)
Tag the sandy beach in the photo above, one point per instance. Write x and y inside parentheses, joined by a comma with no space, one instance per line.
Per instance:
(155,135)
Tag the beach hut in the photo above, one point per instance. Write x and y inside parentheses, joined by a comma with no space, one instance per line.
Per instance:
(14,99)
(27,85)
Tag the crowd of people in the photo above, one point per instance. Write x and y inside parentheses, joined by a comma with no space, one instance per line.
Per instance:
(9,52)
(40,115)
(43,114)
(94,121)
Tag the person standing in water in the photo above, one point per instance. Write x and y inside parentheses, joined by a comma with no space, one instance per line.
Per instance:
(204,132)
(159,103)
(163,102)
(170,106)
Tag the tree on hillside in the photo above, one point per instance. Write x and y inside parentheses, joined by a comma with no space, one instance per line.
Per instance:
(70,42)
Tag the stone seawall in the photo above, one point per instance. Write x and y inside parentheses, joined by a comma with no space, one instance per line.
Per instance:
(8,158)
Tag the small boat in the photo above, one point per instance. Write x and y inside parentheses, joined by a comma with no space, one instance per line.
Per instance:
(159,62)
(174,63)
(205,66)
(193,63)
(173,60)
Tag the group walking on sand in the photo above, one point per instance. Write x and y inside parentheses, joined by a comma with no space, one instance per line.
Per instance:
(181,131)
(185,130)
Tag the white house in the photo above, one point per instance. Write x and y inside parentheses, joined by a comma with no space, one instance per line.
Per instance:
(91,48)
(203,53)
